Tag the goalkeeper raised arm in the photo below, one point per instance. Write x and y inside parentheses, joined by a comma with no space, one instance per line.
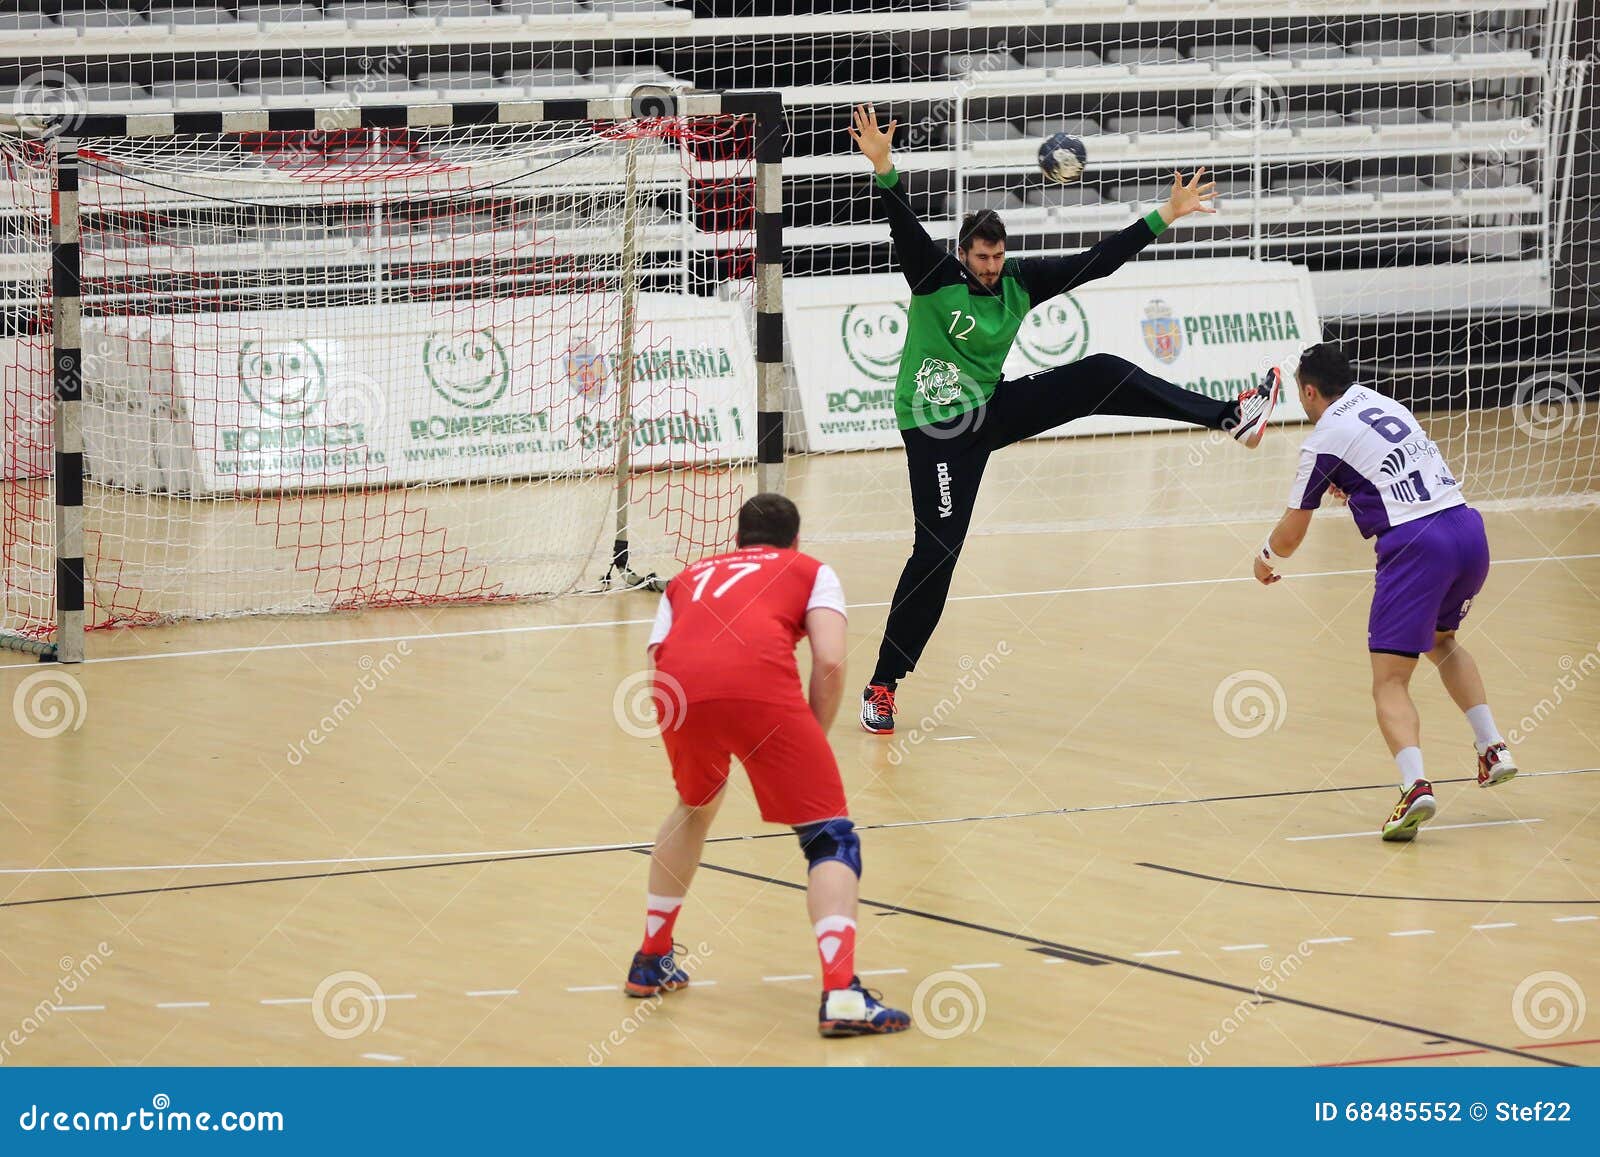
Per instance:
(952,405)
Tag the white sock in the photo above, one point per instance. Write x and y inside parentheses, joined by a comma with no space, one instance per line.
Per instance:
(1484,732)
(1409,761)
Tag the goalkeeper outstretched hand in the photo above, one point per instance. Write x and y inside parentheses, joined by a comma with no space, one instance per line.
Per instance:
(870,139)
(1189,197)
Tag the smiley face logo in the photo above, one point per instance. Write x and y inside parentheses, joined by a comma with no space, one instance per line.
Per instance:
(1054,334)
(873,337)
(286,379)
(469,370)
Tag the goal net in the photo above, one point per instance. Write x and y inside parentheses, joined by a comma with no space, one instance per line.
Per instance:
(389,364)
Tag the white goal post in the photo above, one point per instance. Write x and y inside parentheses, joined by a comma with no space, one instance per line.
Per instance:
(288,360)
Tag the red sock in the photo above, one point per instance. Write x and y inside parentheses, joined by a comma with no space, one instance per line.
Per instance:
(836,944)
(661,913)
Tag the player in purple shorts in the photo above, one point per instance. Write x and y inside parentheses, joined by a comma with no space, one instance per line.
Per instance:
(1433,556)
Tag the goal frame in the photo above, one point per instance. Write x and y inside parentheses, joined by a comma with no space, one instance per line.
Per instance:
(67,136)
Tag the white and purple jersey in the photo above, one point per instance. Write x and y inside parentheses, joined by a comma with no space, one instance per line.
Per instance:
(1376,451)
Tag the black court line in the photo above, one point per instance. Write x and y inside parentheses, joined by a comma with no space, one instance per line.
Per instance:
(1352,895)
(553,855)
(1090,955)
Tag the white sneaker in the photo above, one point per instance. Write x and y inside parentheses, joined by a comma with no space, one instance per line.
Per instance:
(1256,406)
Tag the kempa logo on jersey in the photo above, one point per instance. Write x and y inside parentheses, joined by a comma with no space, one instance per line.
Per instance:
(1054,334)
(285,378)
(468,370)
(946,507)
(854,401)
(873,336)
(1269,325)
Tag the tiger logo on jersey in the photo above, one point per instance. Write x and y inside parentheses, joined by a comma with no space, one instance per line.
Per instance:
(939,382)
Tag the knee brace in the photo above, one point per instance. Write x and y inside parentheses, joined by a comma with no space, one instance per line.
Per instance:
(831,840)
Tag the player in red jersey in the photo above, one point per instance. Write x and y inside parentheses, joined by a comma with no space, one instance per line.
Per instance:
(726,686)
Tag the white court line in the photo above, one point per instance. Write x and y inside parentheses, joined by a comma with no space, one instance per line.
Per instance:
(1241,947)
(320,644)
(496,992)
(185,1004)
(782,979)
(1572,919)
(1161,952)
(578,849)
(1414,932)
(970,967)
(1486,927)
(951,738)
(381,1057)
(80,1008)
(881,972)
(595,988)
(287,1000)
(1373,832)
(1331,940)
(386,996)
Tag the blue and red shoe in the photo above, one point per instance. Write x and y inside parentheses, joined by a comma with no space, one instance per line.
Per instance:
(857,1011)
(651,974)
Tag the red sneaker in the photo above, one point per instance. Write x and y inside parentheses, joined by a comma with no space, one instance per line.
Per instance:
(1416,807)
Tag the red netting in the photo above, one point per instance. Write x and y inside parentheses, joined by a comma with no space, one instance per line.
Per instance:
(373,368)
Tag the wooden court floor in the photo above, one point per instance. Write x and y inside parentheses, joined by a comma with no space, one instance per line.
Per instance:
(1130,818)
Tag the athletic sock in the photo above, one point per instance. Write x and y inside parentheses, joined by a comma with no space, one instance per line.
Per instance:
(1484,733)
(836,944)
(1409,761)
(661,913)
(882,682)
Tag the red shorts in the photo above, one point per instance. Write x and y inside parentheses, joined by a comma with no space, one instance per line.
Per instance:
(781,747)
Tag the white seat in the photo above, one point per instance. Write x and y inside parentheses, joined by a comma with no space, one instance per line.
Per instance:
(458,81)
(1064,197)
(1400,115)
(1307,51)
(366,11)
(1043,127)
(964,65)
(1475,177)
(1476,45)
(20,21)
(634,7)
(195,91)
(370,83)
(1144,56)
(279,13)
(283,86)
(1139,194)
(1315,122)
(1237,52)
(1142,123)
(1478,110)
(456,10)
(1397,191)
(626,77)
(1061,58)
(100,18)
(990,131)
(549,82)
(1391,51)
(210,14)
(1000,200)
(543,8)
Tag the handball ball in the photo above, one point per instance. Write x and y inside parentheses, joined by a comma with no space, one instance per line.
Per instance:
(1061,158)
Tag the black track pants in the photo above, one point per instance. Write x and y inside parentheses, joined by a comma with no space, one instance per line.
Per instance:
(946,463)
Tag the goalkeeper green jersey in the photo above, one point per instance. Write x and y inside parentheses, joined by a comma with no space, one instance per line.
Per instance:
(959,331)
